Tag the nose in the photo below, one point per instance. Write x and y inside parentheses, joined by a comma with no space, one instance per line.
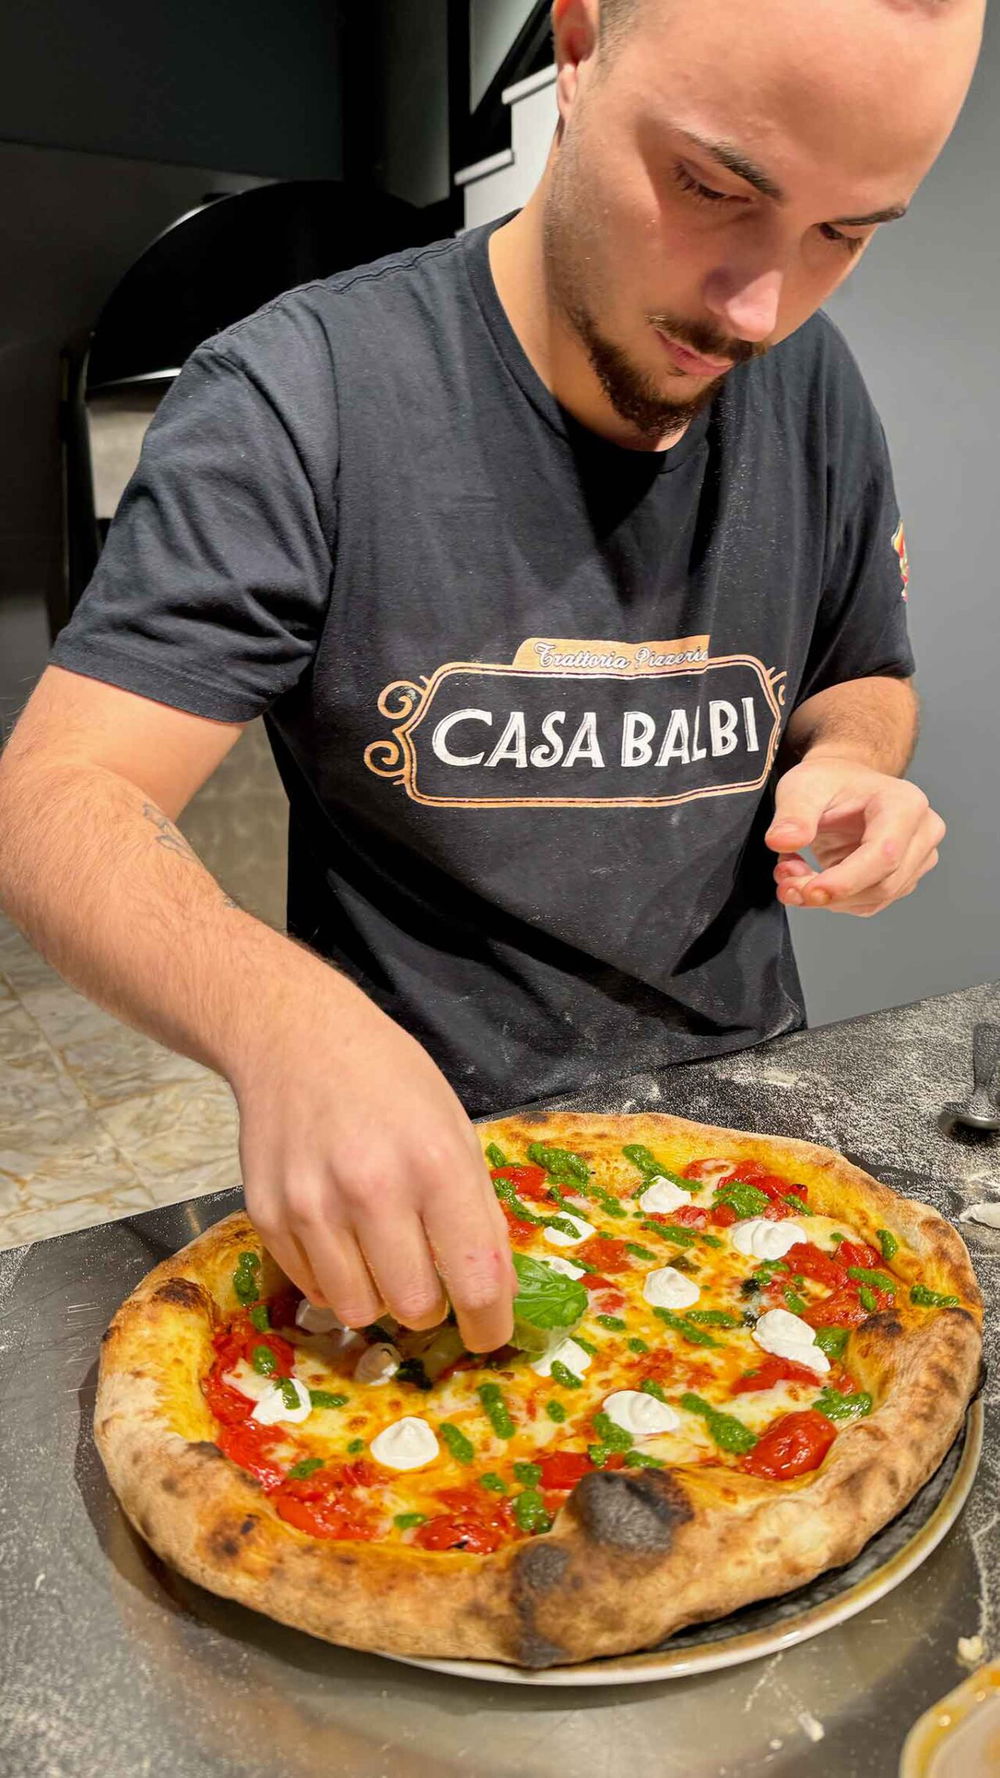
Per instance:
(746,303)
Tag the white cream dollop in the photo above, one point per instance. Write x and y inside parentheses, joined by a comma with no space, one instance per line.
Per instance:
(574,1357)
(666,1288)
(788,1336)
(662,1195)
(760,1239)
(640,1414)
(377,1364)
(408,1443)
(248,1381)
(565,1266)
(313,1319)
(272,1406)
(582,1231)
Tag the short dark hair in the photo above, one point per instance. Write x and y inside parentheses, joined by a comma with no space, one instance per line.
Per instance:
(615,18)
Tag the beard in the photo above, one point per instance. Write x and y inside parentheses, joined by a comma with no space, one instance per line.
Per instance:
(572,250)
(634,394)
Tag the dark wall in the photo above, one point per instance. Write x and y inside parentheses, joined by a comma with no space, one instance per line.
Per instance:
(115,118)
(251,87)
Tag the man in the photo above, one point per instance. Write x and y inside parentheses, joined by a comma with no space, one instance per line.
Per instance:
(533,546)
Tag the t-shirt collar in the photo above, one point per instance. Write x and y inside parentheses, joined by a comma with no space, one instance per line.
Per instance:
(476,243)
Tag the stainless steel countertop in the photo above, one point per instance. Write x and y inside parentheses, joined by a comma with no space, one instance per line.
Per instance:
(114,1667)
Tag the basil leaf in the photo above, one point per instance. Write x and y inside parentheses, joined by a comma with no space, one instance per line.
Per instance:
(547,1302)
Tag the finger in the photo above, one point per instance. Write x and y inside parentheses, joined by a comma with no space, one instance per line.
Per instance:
(892,851)
(402,1266)
(880,852)
(791,866)
(288,1254)
(475,1264)
(796,817)
(893,889)
(345,1283)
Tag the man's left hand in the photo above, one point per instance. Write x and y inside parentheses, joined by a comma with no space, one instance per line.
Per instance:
(874,836)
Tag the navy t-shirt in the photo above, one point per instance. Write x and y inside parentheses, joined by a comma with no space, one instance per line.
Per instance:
(525,688)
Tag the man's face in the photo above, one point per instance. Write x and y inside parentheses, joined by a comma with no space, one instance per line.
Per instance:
(721,172)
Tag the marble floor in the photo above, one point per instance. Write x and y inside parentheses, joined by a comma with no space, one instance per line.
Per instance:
(97,1121)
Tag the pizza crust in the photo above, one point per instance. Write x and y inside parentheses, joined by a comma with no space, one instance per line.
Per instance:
(635,1554)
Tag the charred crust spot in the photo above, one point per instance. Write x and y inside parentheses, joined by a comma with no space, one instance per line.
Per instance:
(205,1448)
(541,1566)
(886,1323)
(223,1543)
(139,1376)
(249,1524)
(536,1651)
(639,1513)
(109,1333)
(170,1484)
(182,1293)
(538,1568)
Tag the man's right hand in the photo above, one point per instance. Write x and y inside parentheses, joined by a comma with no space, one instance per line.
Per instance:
(363,1173)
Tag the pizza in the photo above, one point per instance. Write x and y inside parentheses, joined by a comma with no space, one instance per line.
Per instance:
(735,1357)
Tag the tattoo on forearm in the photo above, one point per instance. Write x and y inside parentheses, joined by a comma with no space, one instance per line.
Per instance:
(172,840)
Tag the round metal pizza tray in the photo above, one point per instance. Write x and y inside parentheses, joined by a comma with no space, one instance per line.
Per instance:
(775,1624)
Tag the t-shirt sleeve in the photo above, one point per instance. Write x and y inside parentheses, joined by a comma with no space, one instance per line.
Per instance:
(861,629)
(212,588)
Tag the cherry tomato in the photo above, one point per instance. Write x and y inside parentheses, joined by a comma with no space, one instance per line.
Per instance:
(777,1211)
(794,1445)
(798,1191)
(250,1447)
(450,1531)
(528,1182)
(858,1253)
(770,1184)
(331,1518)
(842,1309)
(229,1405)
(811,1262)
(773,1370)
(752,1173)
(563,1469)
(688,1216)
(723,1216)
(594,1281)
(714,1170)
(607,1255)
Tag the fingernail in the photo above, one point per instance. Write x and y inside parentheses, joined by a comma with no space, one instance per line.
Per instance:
(818,898)
(793,898)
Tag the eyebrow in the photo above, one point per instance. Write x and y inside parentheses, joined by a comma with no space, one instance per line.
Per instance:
(736,162)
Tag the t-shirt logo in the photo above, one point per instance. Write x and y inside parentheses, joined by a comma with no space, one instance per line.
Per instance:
(899,545)
(583,723)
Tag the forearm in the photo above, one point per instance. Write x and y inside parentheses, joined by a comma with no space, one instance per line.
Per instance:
(110,892)
(872,721)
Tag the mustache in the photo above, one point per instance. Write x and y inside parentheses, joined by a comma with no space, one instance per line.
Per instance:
(707,341)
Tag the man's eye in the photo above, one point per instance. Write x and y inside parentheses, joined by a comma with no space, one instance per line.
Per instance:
(688,182)
(850,243)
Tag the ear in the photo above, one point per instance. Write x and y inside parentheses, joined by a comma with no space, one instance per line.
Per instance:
(574,30)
